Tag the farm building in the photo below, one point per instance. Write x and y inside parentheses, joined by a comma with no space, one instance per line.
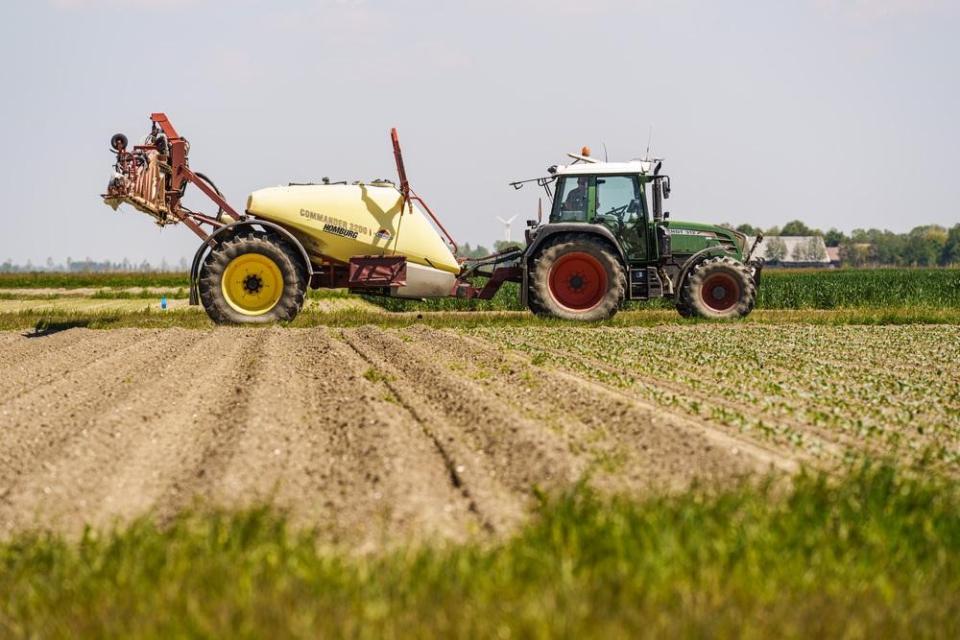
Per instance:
(794,251)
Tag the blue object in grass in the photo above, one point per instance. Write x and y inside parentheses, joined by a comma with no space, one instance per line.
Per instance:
(163,303)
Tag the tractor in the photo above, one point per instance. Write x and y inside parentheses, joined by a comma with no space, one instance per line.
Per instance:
(602,245)
(605,243)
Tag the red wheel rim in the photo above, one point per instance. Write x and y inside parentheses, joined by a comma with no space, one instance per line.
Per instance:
(720,291)
(578,281)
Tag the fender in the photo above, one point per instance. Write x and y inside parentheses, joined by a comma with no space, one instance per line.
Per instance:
(689,264)
(575,227)
(225,230)
(553,229)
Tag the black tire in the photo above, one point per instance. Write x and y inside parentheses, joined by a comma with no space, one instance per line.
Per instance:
(577,277)
(683,308)
(292,278)
(719,288)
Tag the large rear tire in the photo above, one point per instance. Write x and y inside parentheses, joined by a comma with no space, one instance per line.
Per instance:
(252,278)
(577,277)
(719,288)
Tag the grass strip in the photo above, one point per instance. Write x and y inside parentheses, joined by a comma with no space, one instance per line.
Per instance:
(195,318)
(874,554)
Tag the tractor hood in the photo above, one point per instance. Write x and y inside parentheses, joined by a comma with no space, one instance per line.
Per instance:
(690,237)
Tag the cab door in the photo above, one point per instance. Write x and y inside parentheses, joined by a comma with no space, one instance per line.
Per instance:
(619,205)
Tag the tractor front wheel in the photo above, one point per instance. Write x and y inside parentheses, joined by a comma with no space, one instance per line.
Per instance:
(577,278)
(718,288)
(252,278)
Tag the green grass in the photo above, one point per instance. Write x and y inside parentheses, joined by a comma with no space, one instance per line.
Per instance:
(833,289)
(195,318)
(876,554)
(42,280)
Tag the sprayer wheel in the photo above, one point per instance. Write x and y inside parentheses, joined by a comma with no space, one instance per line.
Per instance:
(252,278)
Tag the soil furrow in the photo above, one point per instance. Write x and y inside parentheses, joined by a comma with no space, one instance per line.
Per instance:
(119,467)
(453,470)
(221,424)
(634,445)
(825,441)
(20,347)
(56,360)
(367,475)
(498,455)
(39,426)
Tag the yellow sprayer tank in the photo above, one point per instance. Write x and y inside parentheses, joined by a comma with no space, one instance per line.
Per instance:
(339,221)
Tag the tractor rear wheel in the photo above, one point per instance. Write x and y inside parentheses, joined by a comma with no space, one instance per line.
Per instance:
(718,288)
(578,278)
(252,278)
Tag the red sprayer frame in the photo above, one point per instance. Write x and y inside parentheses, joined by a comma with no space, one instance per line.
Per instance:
(153,177)
(159,186)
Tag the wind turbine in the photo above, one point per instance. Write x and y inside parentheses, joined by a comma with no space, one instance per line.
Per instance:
(506,226)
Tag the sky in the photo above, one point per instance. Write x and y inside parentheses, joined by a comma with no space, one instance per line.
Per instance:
(843,113)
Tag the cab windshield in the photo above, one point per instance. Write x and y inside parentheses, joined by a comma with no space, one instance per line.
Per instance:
(599,198)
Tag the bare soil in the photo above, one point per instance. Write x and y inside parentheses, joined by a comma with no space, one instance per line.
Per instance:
(371,436)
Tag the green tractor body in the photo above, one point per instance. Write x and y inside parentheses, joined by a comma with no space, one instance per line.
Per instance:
(608,240)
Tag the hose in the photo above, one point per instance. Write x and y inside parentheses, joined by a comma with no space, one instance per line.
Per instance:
(215,189)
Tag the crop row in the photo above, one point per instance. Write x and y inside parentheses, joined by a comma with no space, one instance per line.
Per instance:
(829,390)
(779,289)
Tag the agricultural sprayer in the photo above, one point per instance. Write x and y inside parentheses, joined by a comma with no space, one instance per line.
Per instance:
(601,245)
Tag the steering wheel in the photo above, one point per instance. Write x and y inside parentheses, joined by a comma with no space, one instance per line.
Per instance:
(617,212)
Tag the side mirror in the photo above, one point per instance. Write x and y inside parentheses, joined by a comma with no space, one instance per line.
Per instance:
(666,187)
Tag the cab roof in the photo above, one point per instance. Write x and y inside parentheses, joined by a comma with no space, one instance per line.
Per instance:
(593,168)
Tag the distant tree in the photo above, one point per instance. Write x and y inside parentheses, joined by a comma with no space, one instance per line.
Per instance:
(772,231)
(466,251)
(924,245)
(834,238)
(950,254)
(748,229)
(854,254)
(776,249)
(503,245)
(798,228)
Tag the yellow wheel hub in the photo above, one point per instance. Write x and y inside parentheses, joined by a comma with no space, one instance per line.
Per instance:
(252,284)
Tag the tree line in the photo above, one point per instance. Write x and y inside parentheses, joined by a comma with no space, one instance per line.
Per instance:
(928,245)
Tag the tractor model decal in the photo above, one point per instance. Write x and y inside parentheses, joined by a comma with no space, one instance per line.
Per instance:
(336,226)
(692,232)
(339,231)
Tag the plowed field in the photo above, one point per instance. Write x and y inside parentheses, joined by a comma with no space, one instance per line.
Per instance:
(376,435)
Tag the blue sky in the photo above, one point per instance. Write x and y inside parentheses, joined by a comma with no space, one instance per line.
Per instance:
(839,112)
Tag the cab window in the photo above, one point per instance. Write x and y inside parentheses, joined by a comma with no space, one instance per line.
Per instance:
(571,200)
(618,198)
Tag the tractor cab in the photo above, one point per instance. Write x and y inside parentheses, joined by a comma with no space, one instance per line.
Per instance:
(611,194)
